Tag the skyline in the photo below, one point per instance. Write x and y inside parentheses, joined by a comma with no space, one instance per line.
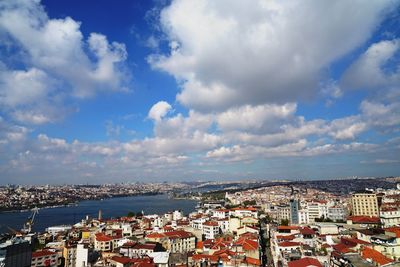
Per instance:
(190,90)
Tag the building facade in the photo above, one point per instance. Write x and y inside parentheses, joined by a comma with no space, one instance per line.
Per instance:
(365,204)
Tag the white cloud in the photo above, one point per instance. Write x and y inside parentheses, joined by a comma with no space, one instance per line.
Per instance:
(347,127)
(382,116)
(159,110)
(228,53)
(23,87)
(58,63)
(368,71)
(268,117)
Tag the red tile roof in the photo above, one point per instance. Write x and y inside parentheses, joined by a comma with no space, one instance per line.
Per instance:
(288,244)
(253,261)
(155,235)
(247,244)
(394,229)
(171,234)
(364,219)
(42,253)
(199,245)
(103,238)
(241,208)
(178,234)
(210,223)
(352,242)
(307,231)
(305,262)
(375,256)
(123,260)
(342,248)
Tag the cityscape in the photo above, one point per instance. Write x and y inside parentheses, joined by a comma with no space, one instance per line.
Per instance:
(199,133)
(280,223)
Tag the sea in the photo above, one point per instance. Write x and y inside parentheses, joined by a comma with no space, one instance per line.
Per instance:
(110,208)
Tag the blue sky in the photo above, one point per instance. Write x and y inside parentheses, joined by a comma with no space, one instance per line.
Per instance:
(198,90)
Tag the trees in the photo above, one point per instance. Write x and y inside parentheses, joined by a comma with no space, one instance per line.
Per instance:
(285,222)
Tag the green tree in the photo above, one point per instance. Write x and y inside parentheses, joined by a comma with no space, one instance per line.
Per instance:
(285,222)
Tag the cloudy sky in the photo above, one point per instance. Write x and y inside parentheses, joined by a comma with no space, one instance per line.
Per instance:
(183,90)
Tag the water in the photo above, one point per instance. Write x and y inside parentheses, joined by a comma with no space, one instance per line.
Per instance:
(113,207)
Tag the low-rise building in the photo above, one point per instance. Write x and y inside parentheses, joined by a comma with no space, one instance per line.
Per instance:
(44,258)
(210,229)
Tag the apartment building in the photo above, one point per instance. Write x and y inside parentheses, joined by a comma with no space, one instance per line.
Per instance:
(365,204)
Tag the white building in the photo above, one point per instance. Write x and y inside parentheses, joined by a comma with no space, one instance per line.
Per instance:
(177,215)
(303,217)
(223,225)
(81,255)
(198,223)
(221,213)
(58,229)
(282,213)
(317,210)
(337,213)
(390,216)
(244,212)
(210,229)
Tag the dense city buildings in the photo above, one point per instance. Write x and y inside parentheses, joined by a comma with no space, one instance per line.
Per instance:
(278,225)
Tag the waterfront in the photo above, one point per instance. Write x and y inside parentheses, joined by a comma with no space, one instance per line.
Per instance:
(113,207)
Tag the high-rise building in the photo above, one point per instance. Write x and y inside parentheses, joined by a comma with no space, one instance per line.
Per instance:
(365,203)
(16,252)
(294,211)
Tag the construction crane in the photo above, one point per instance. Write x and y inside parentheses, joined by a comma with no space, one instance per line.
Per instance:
(294,191)
(31,219)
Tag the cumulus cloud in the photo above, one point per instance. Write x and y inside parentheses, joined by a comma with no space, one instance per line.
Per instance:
(159,110)
(242,69)
(228,53)
(267,117)
(381,116)
(369,70)
(59,62)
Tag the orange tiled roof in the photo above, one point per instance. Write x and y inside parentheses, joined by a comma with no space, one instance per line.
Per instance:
(103,238)
(247,244)
(342,248)
(364,219)
(42,253)
(353,241)
(394,229)
(155,235)
(210,223)
(253,261)
(199,245)
(305,262)
(288,244)
(375,256)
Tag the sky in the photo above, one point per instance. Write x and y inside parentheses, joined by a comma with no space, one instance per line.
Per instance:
(189,90)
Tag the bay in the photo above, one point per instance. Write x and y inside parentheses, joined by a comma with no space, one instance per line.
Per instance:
(112,207)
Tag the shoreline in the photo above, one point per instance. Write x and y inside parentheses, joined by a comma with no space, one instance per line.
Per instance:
(76,202)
